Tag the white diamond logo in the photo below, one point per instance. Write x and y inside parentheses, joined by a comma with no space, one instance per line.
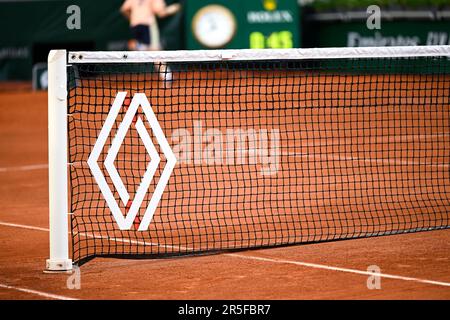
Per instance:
(126,222)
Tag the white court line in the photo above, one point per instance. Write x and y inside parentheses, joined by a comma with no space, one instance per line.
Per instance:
(122,240)
(329,142)
(332,156)
(96,236)
(350,140)
(39,293)
(377,139)
(22,226)
(331,268)
(25,168)
(272,260)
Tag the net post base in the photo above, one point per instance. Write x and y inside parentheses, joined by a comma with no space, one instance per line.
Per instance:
(58,265)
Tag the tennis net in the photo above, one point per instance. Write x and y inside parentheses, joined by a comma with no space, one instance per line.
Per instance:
(181,153)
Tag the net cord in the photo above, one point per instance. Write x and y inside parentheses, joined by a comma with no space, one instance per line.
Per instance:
(256,54)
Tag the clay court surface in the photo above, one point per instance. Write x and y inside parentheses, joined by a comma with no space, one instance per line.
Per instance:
(413,266)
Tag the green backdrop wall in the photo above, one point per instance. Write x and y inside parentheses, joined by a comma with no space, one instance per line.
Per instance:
(392,33)
(29,29)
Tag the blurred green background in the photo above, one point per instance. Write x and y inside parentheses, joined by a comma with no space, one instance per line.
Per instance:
(30,28)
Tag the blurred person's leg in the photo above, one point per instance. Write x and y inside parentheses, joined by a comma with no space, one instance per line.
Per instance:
(155,44)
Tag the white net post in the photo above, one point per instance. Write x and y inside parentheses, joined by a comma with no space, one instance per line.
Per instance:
(57,158)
